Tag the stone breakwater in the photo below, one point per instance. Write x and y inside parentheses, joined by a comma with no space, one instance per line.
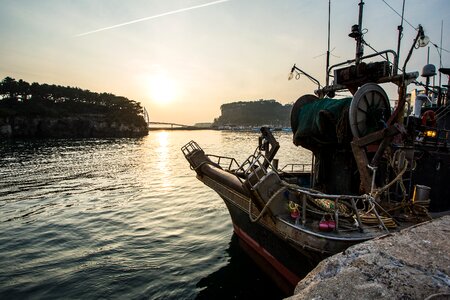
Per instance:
(67,127)
(411,264)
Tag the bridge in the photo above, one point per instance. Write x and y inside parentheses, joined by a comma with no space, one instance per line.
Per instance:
(168,125)
(171,126)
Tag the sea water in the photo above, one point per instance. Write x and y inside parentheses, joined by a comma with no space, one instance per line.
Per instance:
(123,219)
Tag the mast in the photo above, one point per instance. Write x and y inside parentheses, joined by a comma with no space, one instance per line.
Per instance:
(328,49)
(359,44)
(440,66)
(427,82)
(357,34)
(400,32)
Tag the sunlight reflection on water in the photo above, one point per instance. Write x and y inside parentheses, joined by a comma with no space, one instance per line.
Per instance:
(121,218)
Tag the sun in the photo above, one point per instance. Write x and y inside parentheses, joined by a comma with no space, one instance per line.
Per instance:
(162,88)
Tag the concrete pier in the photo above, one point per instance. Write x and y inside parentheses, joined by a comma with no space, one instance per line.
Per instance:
(411,264)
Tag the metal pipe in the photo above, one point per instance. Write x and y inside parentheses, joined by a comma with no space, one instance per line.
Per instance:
(440,66)
(358,218)
(374,172)
(327,81)
(307,75)
(303,209)
(314,193)
(378,216)
(364,57)
(336,215)
(427,81)
(419,33)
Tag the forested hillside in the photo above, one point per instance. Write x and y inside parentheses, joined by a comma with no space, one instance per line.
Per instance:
(254,113)
(22,101)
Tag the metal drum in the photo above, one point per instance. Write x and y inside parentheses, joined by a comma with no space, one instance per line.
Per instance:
(421,194)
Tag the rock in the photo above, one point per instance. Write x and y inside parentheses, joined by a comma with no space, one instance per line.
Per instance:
(411,264)
(68,127)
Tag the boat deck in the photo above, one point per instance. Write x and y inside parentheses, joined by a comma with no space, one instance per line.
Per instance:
(342,232)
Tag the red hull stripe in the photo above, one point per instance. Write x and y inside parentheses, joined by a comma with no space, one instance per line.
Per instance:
(281,269)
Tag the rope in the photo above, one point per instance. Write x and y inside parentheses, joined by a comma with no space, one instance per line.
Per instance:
(396,163)
(282,189)
(369,215)
(385,222)
(368,218)
(327,206)
(378,192)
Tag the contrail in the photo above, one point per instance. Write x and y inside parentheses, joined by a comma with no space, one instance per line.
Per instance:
(153,17)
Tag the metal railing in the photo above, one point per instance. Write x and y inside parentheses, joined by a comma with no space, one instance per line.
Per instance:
(301,168)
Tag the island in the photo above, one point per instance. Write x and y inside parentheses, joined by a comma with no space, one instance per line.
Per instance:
(249,114)
(53,111)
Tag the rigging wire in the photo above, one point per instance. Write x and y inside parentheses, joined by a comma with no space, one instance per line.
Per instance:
(399,15)
(320,55)
(386,58)
(404,19)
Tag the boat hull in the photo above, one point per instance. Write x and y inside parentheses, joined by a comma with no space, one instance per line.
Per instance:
(283,251)
(282,262)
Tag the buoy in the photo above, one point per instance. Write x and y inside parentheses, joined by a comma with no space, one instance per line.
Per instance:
(293,208)
(429,118)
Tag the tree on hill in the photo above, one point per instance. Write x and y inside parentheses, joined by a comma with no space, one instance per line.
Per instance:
(21,98)
(254,113)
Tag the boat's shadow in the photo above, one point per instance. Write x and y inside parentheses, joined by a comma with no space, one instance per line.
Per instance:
(241,278)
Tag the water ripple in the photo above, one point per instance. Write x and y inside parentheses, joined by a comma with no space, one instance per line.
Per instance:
(111,218)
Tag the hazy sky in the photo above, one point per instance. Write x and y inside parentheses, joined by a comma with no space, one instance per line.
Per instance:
(182,59)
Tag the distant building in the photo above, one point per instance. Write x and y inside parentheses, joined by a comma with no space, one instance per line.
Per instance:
(203,125)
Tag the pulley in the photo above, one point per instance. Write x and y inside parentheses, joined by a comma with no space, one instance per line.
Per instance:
(369,110)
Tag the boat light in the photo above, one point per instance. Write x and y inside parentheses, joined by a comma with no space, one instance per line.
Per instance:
(355,32)
(430,133)
(423,39)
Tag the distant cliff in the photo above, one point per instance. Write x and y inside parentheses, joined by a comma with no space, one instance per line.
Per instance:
(254,113)
(42,110)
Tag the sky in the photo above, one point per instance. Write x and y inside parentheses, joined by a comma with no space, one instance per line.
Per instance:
(183,59)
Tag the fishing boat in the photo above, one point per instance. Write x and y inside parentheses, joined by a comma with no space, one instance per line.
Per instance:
(370,174)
